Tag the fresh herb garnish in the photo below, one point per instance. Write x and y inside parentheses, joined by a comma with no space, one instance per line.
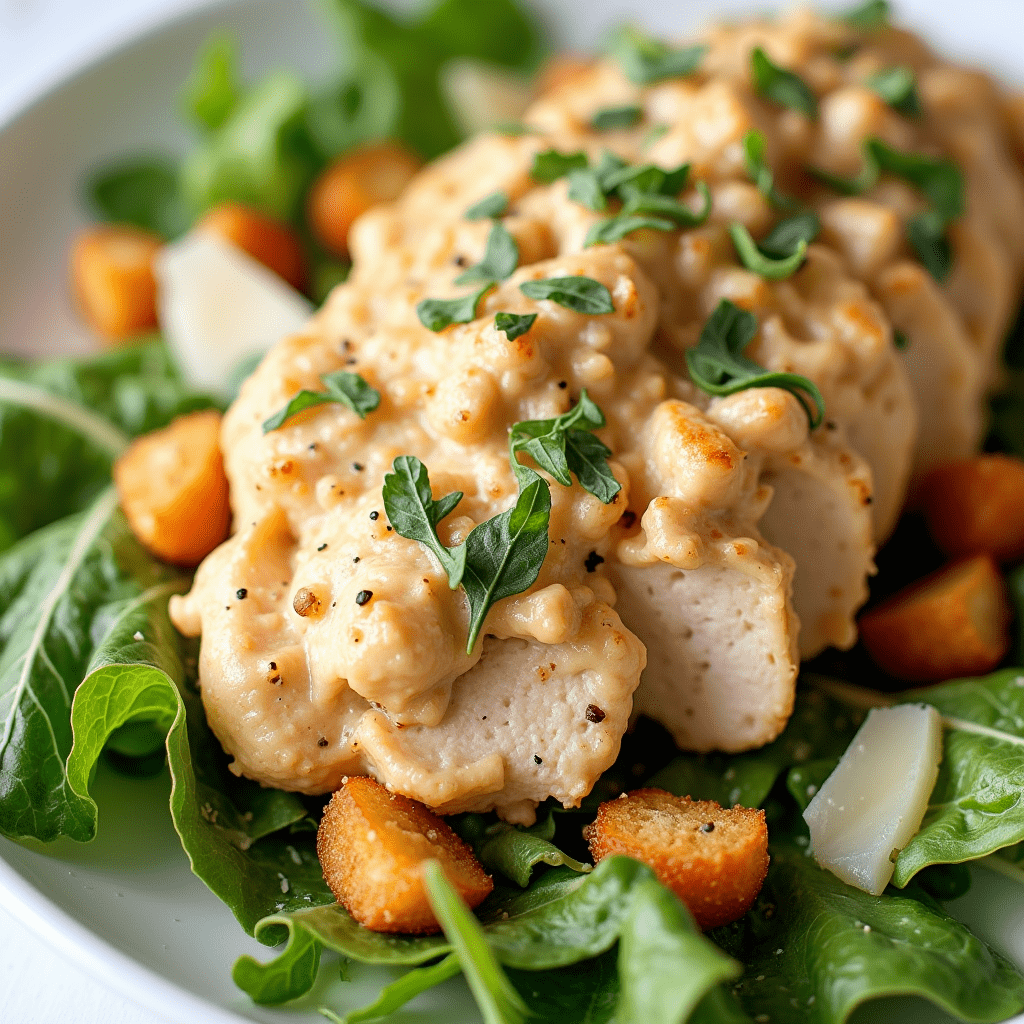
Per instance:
(515,325)
(897,87)
(494,205)
(614,229)
(610,118)
(643,178)
(659,205)
(343,388)
(414,514)
(501,257)
(784,239)
(780,85)
(551,165)
(757,262)
(926,233)
(900,340)
(645,60)
(437,314)
(566,445)
(578,293)
(755,147)
(500,557)
(868,16)
(717,364)
(585,188)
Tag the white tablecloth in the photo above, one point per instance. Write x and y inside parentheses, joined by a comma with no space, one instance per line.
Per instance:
(40,40)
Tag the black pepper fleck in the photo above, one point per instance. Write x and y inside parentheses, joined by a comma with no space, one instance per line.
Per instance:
(323,547)
(627,519)
(357,466)
(241,593)
(273,666)
(322,742)
(538,759)
(459,261)
(563,384)
(375,515)
(708,826)
(276,680)
(390,528)
(356,559)
(363,596)
(593,560)
(595,714)
(312,447)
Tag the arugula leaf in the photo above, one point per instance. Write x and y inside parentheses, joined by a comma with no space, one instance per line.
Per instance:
(497,999)
(414,514)
(297,972)
(926,233)
(757,262)
(515,325)
(585,188)
(808,929)
(513,850)
(578,293)
(212,91)
(501,32)
(504,554)
(666,206)
(565,445)
(780,85)
(645,60)
(585,992)
(394,996)
(501,258)
(605,232)
(551,165)
(718,366)
(494,205)
(437,314)
(343,388)
(666,967)
(867,17)
(897,87)
(611,118)
(755,148)
(784,239)
(977,805)
(144,191)
(258,155)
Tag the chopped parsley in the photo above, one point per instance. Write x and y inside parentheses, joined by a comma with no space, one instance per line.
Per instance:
(437,314)
(610,118)
(781,86)
(515,325)
(501,257)
(898,88)
(347,389)
(645,60)
(494,205)
(578,293)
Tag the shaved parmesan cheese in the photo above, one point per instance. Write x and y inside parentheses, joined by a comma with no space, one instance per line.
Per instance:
(873,803)
(482,96)
(218,306)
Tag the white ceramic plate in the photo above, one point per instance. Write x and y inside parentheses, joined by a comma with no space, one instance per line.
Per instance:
(126,907)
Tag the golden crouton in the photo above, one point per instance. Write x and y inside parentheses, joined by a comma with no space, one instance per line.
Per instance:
(713,858)
(976,506)
(952,623)
(372,845)
(172,487)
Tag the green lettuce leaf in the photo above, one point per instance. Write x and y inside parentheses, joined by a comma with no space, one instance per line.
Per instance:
(815,948)
(212,91)
(142,191)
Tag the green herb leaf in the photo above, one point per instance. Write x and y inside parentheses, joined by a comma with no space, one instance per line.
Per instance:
(758,263)
(501,257)
(515,325)
(897,87)
(645,60)
(612,118)
(437,314)
(414,514)
(784,239)
(285,977)
(551,165)
(565,444)
(808,927)
(900,340)
(578,293)
(498,1001)
(494,205)
(605,232)
(926,233)
(347,389)
(867,17)
(504,554)
(143,192)
(666,967)
(585,188)
(516,851)
(939,179)
(755,148)
(780,85)
(394,996)
(718,366)
(652,204)
(212,91)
